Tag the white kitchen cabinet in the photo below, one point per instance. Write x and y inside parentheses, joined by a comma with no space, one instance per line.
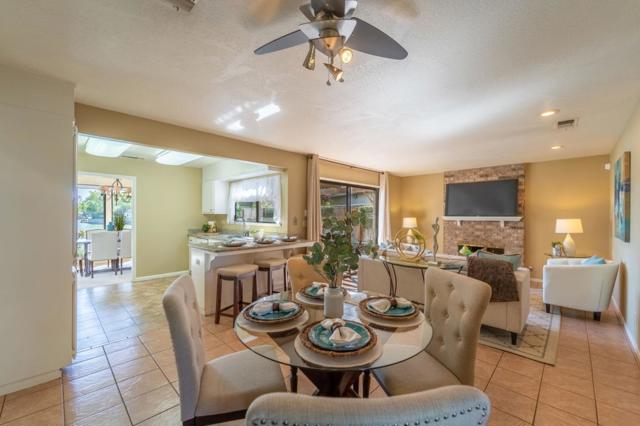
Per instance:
(214,196)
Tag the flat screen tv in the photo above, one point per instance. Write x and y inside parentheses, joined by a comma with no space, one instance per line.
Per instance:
(490,198)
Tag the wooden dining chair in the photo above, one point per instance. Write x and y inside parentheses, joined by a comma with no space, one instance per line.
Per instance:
(301,274)
(454,305)
(219,390)
(448,406)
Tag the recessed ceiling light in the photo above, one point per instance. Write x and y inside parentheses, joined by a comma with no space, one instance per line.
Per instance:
(236,126)
(175,158)
(549,112)
(105,147)
(557,147)
(267,111)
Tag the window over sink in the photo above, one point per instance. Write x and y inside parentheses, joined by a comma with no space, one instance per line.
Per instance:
(256,200)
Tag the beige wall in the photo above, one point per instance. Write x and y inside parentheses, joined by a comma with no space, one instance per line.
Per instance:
(627,292)
(422,197)
(36,199)
(116,125)
(345,173)
(554,189)
(168,202)
(574,188)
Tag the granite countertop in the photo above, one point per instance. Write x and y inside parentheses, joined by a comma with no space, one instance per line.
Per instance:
(277,245)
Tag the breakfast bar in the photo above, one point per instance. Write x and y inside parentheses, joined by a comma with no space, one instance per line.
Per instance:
(205,259)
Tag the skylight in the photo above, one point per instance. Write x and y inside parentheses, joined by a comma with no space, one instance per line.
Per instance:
(105,147)
(176,158)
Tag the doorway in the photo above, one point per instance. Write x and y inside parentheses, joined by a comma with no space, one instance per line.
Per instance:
(105,223)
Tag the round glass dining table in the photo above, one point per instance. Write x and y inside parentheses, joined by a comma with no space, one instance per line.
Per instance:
(397,345)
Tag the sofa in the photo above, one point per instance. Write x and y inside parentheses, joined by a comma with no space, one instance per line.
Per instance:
(509,316)
(569,283)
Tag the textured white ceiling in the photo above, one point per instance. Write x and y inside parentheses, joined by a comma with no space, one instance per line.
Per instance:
(477,76)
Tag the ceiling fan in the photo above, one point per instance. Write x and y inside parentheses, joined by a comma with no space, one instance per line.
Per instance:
(334,31)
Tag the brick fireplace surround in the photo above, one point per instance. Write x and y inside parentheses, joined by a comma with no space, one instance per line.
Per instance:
(488,234)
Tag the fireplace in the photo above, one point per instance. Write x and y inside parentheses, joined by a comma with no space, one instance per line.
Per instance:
(475,247)
(507,236)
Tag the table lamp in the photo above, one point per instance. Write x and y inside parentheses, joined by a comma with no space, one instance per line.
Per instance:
(569,226)
(409,234)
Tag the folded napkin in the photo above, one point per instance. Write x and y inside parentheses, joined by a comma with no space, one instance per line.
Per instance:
(265,308)
(383,305)
(318,288)
(341,335)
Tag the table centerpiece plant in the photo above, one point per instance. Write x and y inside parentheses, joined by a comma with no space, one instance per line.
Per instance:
(336,253)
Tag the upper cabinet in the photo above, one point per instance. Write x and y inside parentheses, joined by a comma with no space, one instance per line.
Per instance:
(214,197)
(216,178)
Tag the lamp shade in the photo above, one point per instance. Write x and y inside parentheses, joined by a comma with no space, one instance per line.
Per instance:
(568,226)
(409,222)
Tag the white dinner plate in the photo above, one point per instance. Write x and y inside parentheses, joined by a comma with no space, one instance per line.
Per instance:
(388,323)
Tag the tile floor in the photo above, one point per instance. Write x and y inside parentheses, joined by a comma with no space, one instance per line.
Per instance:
(125,372)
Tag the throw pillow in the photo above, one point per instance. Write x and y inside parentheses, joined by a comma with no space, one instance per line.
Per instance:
(514,259)
(594,260)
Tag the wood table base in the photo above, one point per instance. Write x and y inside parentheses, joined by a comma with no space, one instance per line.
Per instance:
(334,383)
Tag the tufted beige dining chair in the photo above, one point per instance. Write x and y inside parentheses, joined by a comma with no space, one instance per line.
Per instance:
(454,306)
(448,406)
(221,389)
(301,274)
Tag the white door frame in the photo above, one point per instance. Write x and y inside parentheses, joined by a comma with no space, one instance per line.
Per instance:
(134,227)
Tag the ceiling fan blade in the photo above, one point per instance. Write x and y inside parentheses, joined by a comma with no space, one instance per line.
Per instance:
(317,5)
(307,11)
(369,39)
(286,41)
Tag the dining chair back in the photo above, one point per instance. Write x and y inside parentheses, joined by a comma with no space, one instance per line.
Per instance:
(183,315)
(454,305)
(446,406)
(125,244)
(301,274)
(104,245)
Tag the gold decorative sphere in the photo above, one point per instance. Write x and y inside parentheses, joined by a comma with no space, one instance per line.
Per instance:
(410,236)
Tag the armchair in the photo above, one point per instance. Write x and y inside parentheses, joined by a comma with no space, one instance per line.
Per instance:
(569,283)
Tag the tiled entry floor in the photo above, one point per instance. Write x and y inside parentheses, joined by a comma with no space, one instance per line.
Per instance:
(126,373)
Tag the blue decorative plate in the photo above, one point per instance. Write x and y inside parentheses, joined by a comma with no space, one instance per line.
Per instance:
(319,336)
(393,313)
(272,317)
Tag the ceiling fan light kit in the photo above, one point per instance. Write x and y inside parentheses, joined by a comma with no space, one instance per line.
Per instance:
(334,32)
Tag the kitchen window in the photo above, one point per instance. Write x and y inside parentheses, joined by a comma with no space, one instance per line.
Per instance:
(255,200)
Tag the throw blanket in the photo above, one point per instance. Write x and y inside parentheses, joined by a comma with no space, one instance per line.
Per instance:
(498,274)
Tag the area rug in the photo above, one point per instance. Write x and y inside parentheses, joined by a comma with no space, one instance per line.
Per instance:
(538,340)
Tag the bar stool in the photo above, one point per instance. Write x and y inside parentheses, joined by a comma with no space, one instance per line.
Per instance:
(236,274)
(271,265)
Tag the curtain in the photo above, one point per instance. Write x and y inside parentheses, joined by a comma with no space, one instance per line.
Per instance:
(384,218)
(262,189)
(314,221)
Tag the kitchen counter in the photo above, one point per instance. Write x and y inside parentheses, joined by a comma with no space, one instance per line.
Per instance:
(206,257)
(251,247)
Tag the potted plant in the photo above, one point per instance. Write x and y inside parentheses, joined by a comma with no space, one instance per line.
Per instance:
(336,253)
(556,248)
(118,221)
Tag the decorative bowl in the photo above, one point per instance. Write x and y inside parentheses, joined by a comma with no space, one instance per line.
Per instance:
(234,243)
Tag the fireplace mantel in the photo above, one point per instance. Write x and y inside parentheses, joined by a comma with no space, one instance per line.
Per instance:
(501,219)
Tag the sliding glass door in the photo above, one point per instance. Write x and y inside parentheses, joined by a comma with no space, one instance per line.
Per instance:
(336,199)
